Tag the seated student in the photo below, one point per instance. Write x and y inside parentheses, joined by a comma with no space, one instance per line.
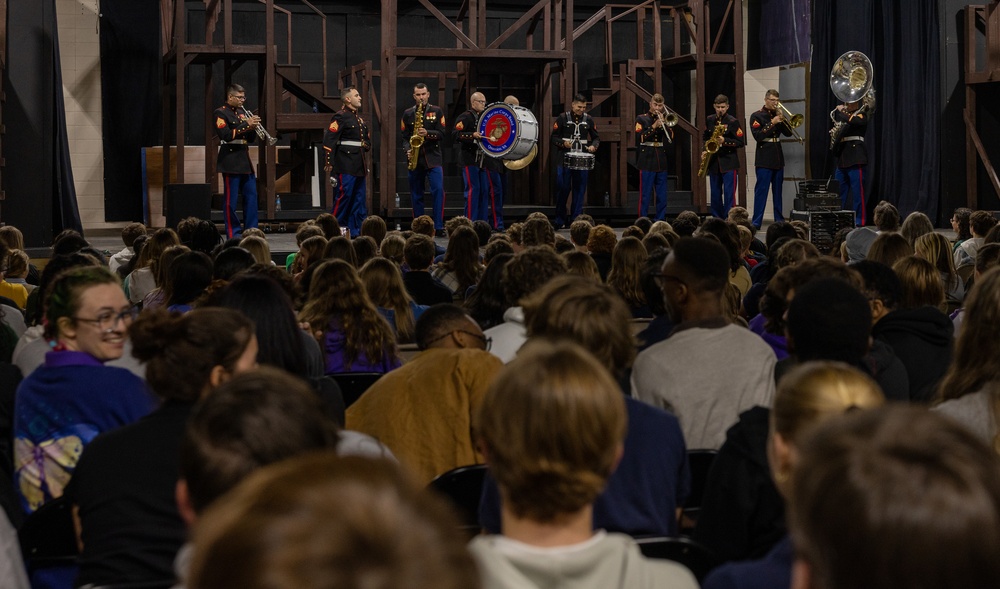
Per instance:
(644,494)
(130,233)
(423,410)
(279,528)
(18,264)
(859,520)
(810,394)
(123,486)
(8,290)
(255,419)
(418,253)
(551,428)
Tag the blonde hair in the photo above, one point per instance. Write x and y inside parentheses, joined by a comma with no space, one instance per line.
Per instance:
(17,264)
(551,426)
(581,264)
(384,283)
(258,247)
(921,283)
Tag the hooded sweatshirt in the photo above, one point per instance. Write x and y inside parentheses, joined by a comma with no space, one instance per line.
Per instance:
(605,561)
(922,339)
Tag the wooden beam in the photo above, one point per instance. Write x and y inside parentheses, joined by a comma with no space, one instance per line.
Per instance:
(631,10)
(457,32)
(387,149)
(981,150)
(722,26)
(457,53)
(739,73)
(527,16)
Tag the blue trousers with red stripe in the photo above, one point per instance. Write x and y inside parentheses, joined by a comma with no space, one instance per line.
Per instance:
(477,192)
(435,176)
(852,180)
(723,192)
(495,191)
(235,186)
(570,180)
(767,178)
(350,204)
(651,183)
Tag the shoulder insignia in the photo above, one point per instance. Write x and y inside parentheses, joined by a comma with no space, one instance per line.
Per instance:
(739,132)
(402,126)
(459,126)
(756,124)
(638,127)
(220,123)
(442,121)
(334,126)
(555,126)
(860,115)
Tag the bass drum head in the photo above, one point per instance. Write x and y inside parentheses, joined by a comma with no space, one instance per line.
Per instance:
(509,132)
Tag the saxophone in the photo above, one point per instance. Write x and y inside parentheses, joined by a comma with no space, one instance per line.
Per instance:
(711,146)
(416,140)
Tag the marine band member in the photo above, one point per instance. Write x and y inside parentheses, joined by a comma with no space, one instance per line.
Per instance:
(652,138)
(724,165)
(429,161)
(768,126)
(345,142)
(852,158)
(563,130)
(235,128)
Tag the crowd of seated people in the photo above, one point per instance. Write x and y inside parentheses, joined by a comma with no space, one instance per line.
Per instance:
(146,390)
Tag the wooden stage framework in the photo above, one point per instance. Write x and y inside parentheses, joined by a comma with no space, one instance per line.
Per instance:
(539,43)
(982,31)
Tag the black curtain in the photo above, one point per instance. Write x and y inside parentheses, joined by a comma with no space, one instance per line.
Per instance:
(38,178)
(902,139)
(130,97)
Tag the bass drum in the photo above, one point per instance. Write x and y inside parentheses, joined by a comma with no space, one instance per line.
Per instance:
(509,132)
(578,160)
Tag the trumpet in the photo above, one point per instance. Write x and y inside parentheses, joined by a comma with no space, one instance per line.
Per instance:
(791,121)
(667,121)
(261,131)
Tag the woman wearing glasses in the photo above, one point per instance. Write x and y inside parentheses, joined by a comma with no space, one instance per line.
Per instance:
(72,396)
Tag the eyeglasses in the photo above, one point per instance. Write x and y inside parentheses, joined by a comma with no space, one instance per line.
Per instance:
(486,341)
(240,98)
(108,320)
(662,279)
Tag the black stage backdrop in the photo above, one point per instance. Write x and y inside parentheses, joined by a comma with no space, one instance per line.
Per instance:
(40,194)
(903,140)
(130,97)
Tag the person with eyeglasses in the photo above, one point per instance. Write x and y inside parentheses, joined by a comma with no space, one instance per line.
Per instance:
(73,396)
(423,410)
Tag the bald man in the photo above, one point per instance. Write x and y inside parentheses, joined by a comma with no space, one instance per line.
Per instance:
(475,178)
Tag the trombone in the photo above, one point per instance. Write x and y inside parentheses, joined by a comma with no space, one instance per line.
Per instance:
(669,121)
(791,121)
(261,131)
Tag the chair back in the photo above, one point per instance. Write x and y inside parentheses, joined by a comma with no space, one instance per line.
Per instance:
(700,462)
(463,486)
(354,384)
(47,536)
(698,559)
(965,273)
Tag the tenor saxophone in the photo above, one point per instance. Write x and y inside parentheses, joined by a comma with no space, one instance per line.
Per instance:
(416,140)
(711,146)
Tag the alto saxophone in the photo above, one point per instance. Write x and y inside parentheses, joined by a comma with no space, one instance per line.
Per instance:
(711,146)
(416,140)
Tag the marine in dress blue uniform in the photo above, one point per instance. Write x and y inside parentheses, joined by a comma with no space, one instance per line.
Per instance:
(235,130)
(429,162)
(852,158)
(345,142)
(767,126)
(724,165)
(651,139)
(475,178)
(567,180)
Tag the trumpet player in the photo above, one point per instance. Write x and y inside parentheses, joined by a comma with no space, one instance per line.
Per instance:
(652,135)
(722,168)
(236,128)
(767,126)
(345,143)
(852,157)
(430,127)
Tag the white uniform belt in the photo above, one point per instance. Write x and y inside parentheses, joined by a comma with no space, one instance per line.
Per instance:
(770,140)
(235,142)
(352,143)
(852,138)
(651,144)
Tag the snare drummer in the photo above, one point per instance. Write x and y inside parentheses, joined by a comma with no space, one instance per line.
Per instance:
(652,137)
(572,131)
(475,177)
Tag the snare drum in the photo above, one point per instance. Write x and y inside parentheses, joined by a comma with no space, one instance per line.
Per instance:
(578,160)
(509,132)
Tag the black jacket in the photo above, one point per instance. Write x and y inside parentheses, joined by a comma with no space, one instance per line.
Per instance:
(851,153)
(434,123)
(465,126)
(564,128)
(652,157)
(345,141)
(769,154)
(922,339)
(742,513)
(733,138)
(235,133)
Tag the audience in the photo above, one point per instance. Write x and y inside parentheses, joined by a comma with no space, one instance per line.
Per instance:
(980,223)
(384,285)
(627,261)
(423,410)
(424,288)
(886,217)
(460,267)
(551,428)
